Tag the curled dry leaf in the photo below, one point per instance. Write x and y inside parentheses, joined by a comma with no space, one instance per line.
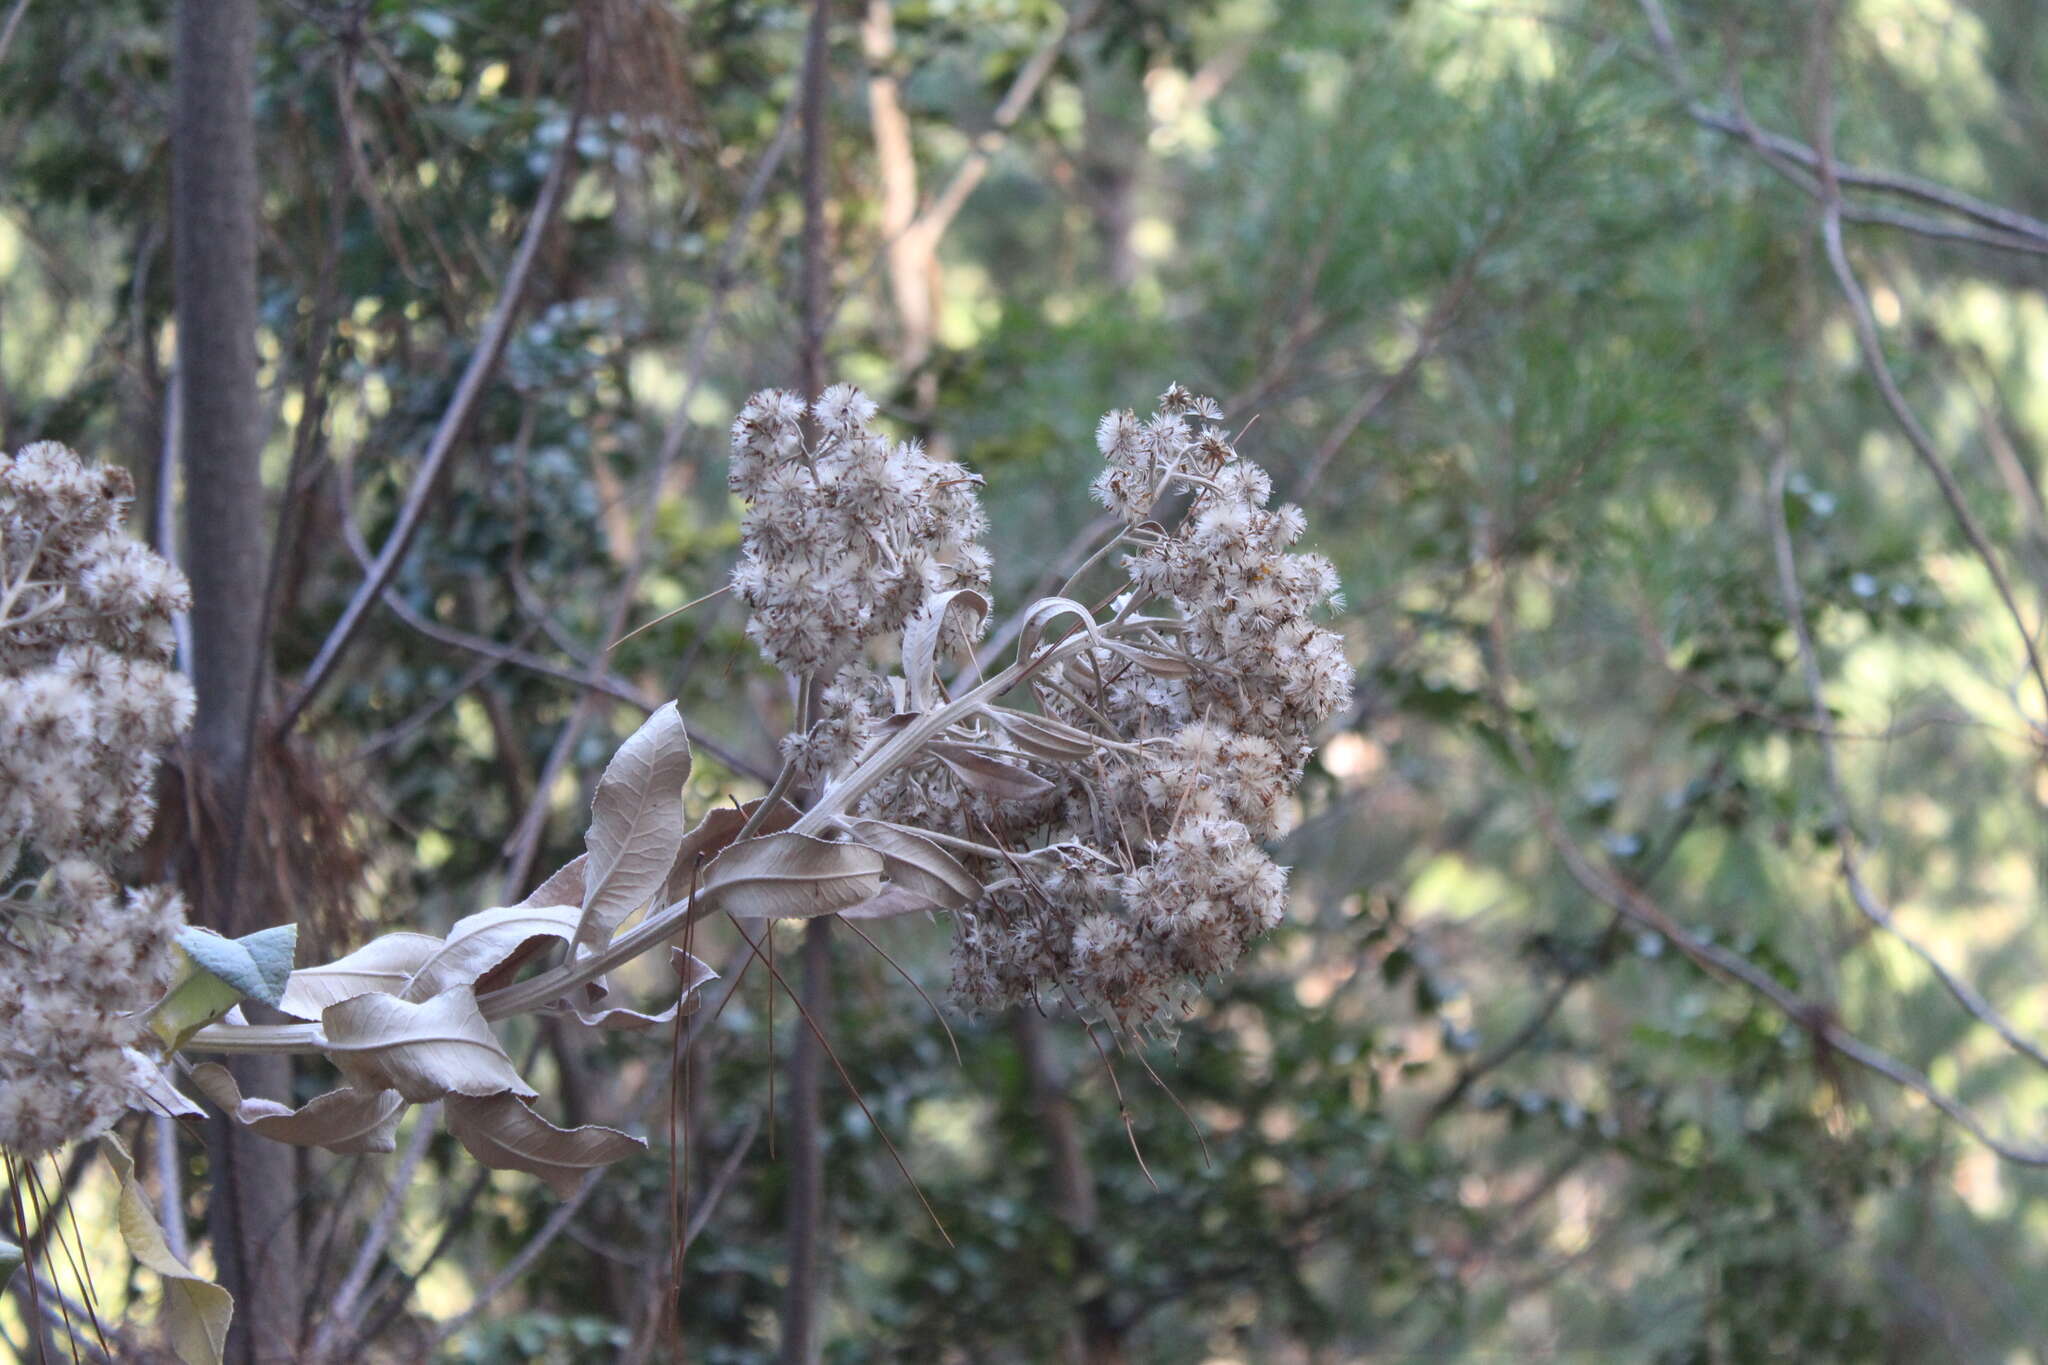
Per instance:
(1158,663)
(480,943)
(563,887)
(916,865)
(1043,613)
(424,1051)
(991,776)
(694,973)
(346,1120)
(636,825)
(383,964)
(151,1090)
(1044,737)
(790,876)
(921,641)
(503,1132)
(195,1311)
(893,901)
(719,827)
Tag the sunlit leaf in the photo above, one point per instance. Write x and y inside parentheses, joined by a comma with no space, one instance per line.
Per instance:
(424,1051)
(195,1312)
(719,827)
(636,825)
(218,973)
(153,1092)
(790,876)
(991,776)
(503,1132)
(921,641)
(345,1120)
(917,865)
(694,974)
(383,964)
(479,943)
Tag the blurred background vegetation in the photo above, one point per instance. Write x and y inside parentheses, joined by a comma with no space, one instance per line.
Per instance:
(1530,305)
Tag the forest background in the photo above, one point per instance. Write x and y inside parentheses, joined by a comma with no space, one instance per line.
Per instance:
(1669,383)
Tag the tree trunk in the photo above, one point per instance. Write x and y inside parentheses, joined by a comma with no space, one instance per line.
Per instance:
(803,1296)
(1095,1336)
(1114,133)
(253,1216)
(913,266)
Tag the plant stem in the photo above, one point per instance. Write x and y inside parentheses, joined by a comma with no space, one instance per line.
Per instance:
(551,985)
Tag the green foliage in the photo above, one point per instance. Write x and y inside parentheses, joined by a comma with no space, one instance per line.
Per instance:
(1525,339)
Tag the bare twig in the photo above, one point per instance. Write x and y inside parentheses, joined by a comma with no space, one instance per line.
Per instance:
(1917,437)
(930,1004)
(1867,901)
(2008,229)
(340,1312)
(933,222)
(565,1212)
(851,1089)
(13,22)
(170,1185)
(476,377)
(514,656)
(1619,895)
(721,1182)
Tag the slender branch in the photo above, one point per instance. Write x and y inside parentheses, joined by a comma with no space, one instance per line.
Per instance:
(340,1312)
(170,1185)
(721,1182)
(512,655)
(1620,896)
(933,222)
(469,390)
(803,1289)
(2011,229)
(1917,437)
(13,22)
(1874,909)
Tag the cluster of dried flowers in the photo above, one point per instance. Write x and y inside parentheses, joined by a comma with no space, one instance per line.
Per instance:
(88,699)
(1113,835)
(1103,846)
(846,534)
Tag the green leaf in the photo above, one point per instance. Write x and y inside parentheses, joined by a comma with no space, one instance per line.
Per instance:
(258,965)
(10,1261)
(218,973)
(196,1311)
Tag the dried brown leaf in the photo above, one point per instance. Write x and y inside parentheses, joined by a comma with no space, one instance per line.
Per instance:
(345,1120)
(636,825)
(503,1132)
(383,964)
(917,865)
(425,1051)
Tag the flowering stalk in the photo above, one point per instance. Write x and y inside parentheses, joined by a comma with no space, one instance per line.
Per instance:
(87,698)
(1091,815)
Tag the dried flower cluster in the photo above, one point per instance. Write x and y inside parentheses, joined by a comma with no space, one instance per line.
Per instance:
(846,534)
(86,960)
(87,693)
(87,700)
(1115,832)
(1223,697)
(1103,847)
